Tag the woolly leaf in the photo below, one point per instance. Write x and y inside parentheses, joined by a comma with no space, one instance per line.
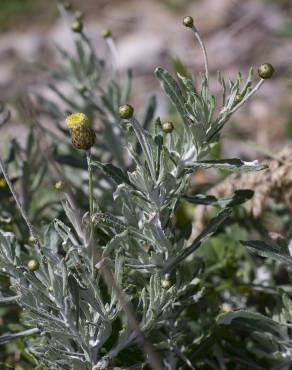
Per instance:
(261,248)
(209,230)
(239,197)
(233,164)
(112,171)
(172,90)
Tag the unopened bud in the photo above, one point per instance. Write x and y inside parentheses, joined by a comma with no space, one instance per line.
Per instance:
(165,284)
(33,265)
(59,185)
(126,111)
(167,127)
(106,34)
(77,26)
(188,21)
(266,70)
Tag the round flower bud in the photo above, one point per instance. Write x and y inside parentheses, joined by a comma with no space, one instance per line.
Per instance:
(59,185)
(31,239)
(226,307)
(67,5)
(165,284)
(78,15)
(2,183)
(82,88)
(126,111)
(33,265)
(167,127)
(188,21)
(50,289)
(238,98)
(82,135)
(77,26)
(106,34)
(266,70)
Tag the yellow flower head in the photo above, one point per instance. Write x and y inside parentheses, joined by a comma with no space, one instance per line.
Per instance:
(226,307)
(82,135)
(76,120)
(2,183)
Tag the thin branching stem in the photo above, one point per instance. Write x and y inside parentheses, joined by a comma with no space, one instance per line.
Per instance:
(150,353)
(18,204)
(91,209)
(113,50)
(201,42)
(249,95)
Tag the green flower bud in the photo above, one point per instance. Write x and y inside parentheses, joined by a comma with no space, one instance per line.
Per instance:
(266,70)
(226,307)
(33,265)
(31,239)
(167,127)
(77,26)
(2,183)
(50,289)
(59,185)
(238,99)
(188,21)
(78,15)
(165,284)
(82,88)
(126,111)
(106,34)
(67,5)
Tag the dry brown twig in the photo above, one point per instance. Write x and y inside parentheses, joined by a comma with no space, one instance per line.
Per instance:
(274,182)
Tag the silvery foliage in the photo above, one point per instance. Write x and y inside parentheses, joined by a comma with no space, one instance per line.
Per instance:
(271,336)
(76,322)
(93,85)
(85,81)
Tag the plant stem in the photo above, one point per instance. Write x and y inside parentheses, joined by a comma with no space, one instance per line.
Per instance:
(201,42)
(18,204)
(91,210)
(113,50)
(249,95)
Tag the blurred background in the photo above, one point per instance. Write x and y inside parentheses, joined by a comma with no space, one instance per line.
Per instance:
(238,34)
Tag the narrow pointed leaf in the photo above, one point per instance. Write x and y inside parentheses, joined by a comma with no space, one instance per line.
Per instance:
(172,90)
(261,248)
(239,197)
(233,164)
(209,230)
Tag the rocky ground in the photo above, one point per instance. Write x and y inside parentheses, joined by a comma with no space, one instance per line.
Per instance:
(238,34)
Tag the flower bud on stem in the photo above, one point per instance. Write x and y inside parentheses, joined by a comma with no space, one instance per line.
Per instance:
(189,22)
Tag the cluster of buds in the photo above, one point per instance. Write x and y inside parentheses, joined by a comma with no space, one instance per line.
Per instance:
(77,25)
(126,111)
(82,135)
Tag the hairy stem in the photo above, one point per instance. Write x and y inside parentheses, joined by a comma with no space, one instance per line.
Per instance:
(249,95)
(113,50)
(206,64)
(91,209)
(18,204)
